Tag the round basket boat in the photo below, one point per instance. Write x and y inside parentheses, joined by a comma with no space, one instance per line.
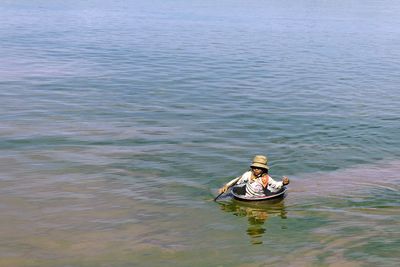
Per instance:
(239,193)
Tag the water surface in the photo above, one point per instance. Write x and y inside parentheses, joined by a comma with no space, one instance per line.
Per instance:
(119,121)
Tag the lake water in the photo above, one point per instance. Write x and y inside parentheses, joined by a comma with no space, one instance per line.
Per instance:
(119,120)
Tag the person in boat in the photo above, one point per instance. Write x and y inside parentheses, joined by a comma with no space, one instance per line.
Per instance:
(257,180)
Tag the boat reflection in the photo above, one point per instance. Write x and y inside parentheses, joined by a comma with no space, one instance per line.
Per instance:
(257,214)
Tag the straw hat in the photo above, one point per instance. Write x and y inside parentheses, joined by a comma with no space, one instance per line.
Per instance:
(260,161)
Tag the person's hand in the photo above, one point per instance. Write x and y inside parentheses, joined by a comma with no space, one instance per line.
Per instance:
(223,189)
(285,180)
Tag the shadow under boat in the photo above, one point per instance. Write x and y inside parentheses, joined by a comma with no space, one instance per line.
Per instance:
(257,213)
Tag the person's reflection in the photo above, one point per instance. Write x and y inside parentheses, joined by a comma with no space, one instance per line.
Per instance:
(257,214)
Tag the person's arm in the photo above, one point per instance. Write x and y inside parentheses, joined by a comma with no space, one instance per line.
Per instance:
(277,185)
(237,180)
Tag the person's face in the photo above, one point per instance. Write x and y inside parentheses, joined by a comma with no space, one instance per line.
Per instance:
(256,171)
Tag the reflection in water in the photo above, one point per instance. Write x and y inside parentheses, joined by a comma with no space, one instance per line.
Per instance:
(257,214)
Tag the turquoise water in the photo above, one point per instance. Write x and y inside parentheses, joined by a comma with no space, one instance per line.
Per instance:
(119,121)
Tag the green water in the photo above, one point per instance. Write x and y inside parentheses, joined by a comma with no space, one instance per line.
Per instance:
(119,121)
